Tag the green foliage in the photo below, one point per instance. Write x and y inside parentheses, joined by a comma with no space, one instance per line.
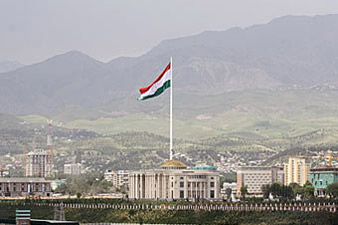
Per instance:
(244,191)
(332,190)
(278,191)
(85,215)
(85,183)
(266,191)
(78,194)
(227,177)
(307,191)
(200,217)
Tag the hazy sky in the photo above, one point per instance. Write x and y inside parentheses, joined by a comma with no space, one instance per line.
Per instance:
(33,30)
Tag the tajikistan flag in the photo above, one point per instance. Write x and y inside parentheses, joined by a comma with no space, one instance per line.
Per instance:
(158,86)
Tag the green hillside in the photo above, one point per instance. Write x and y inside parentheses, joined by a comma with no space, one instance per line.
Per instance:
(257,113)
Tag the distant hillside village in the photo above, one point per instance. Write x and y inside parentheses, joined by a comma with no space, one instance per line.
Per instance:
(174,180)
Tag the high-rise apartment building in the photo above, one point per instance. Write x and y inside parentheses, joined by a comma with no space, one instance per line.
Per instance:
(296,171)
(39,164)
(72,169)
(118,178)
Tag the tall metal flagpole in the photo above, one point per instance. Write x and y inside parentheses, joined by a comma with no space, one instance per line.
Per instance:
(171,108)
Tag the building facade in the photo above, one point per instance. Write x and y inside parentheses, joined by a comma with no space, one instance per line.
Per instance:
(39,164)
(321,177)
(296,171)
(228,186)
(254,177)
(175,181)
(24,186)
(118,178)
(72,169)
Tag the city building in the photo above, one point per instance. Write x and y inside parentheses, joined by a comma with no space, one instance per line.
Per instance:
(39,164)
(24,186)
(226,186)
(174,181)
(254,177)
(296,171)
(118,178)
(57,183)
(72,169)
(321,177)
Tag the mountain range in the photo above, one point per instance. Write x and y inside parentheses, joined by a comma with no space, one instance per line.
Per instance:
(7,66)
(289,51)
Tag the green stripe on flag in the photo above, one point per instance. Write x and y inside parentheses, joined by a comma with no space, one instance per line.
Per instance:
(158,91)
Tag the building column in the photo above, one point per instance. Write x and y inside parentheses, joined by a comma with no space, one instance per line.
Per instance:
(196,190)
(137,187)
(130,195)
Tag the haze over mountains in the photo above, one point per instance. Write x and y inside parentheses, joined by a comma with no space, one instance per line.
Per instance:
(292,50)
(7,66)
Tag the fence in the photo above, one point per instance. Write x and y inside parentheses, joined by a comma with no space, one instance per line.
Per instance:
(307,207)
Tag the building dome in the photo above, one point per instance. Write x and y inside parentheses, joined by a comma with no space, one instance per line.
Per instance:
(173,164)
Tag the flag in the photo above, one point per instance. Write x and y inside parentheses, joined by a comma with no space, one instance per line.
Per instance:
(158,86)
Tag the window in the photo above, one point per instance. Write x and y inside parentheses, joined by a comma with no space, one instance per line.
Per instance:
(181,194)
(172,184)
(212,194)
(212,184)
(181,184)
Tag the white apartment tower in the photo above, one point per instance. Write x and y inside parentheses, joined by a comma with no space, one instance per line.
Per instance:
(38,163)
(118,178)
(296,171)
(73,169)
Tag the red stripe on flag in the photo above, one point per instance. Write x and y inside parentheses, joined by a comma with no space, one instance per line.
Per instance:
(145,89)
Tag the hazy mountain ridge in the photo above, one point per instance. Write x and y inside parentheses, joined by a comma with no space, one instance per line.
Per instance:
(287,51)
(7,66)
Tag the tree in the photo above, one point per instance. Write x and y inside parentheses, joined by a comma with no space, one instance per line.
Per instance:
(78,194)
(244,191)
(228,192)
(297,189)
(309,190)
(276,189)
(332,190)
(61,189)
(266,190)
(288,192)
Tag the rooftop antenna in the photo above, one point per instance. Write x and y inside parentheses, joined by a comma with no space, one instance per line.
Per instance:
(25,160)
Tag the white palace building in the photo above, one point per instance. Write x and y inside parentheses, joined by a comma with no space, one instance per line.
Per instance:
(174,181)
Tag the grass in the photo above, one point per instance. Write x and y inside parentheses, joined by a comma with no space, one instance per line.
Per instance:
(254,113)
(34,118)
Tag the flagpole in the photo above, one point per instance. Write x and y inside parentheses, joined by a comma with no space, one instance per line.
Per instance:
(171,108)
